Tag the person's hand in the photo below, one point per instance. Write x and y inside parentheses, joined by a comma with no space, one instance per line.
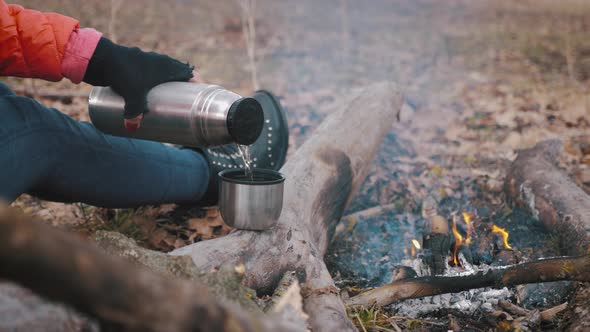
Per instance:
(131,73)
(134,123)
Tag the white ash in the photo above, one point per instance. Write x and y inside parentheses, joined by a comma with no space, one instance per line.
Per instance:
(423,270)
(466,301)
(418,266)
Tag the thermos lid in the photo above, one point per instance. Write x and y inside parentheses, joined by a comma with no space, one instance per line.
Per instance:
(245,120)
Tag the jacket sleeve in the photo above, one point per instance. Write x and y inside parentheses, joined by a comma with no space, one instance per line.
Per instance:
(33,44)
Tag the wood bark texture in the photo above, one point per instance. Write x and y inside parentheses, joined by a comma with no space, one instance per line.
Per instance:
(552,269)
(121,295)
(535,182)
(321,179)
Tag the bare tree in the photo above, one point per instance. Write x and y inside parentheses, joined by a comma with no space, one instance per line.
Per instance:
(115,6)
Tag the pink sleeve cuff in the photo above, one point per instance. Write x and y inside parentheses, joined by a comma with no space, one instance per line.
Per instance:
(79,49)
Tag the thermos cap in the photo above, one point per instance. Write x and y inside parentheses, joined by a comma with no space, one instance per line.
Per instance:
(245,120)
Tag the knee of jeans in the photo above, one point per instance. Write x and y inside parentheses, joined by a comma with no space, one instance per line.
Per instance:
(5,90)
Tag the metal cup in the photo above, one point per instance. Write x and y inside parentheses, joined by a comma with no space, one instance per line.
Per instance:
(251,204)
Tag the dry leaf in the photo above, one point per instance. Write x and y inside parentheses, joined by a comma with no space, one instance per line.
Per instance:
(179,243)
(157,236)
(146,226)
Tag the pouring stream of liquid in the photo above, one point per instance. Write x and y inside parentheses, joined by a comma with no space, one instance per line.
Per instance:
(245,154)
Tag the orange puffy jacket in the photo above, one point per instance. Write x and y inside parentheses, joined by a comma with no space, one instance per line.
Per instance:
(32,44)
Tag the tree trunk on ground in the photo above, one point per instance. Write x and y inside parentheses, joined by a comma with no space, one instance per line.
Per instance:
(121,295)
(322,177)
(537,183)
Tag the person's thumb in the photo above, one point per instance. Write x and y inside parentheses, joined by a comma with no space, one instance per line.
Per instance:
(135,104)
(135,107)
(133,124)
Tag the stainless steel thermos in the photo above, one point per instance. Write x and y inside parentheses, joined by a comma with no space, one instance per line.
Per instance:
(190,114)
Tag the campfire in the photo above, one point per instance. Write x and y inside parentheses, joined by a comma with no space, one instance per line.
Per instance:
(461,260)
(421,286)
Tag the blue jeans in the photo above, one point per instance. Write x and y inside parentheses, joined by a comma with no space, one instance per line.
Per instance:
(47,154)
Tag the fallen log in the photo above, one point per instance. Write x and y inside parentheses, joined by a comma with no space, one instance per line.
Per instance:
(121,295)
(535,182)
(225,284)
(545,270)
(321,179)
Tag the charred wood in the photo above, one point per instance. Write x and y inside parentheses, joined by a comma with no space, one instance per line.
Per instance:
(436,245)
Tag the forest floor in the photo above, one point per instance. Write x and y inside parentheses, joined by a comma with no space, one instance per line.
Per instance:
(481,80)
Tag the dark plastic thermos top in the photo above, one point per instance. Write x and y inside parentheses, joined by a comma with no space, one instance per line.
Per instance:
(245,119)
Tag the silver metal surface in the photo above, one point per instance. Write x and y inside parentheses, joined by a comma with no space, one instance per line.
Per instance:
(254,206)
(182,113)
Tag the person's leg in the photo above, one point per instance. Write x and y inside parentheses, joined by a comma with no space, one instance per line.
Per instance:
(5,90)
(47,154)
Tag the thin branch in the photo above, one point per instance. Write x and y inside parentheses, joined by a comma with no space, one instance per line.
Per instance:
(551,269)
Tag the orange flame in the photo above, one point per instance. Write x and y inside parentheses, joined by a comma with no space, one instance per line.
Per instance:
(416,244)
(458,242)
(503,233)
(470,227)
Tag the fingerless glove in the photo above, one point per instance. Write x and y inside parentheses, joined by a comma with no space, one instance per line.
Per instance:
(131,73)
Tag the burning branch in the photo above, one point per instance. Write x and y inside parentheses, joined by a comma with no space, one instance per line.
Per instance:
(436,244)
(545,270)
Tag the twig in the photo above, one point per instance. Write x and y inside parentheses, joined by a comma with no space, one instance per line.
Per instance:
(347,222)
(549,314)
(546,270)
(395,326)
(360,322)
(372,211)
(380,328)
(513,308)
